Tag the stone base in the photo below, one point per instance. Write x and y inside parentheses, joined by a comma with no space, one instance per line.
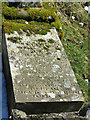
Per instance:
(19,115)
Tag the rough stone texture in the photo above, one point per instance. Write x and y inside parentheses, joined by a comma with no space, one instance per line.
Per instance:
(41,74)
(19,115)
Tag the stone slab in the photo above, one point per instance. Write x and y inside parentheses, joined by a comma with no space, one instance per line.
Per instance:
(40,73)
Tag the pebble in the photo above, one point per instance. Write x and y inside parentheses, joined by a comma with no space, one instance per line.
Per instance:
(80,92)
(61,99)
(26,22)
(73,88)
(86,8)
(21,67)
(86,80)
(67,74)
(42,78)
(15,32)
(62,92)
(34,70)
(52,95)
(61,76)
(18,81)
(60,28)
(73,18)
(28,65)
(58,54)
(81,24)
(50,17)
(42,93)
(31,68)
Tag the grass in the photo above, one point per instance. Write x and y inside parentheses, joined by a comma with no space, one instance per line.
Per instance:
(75,41)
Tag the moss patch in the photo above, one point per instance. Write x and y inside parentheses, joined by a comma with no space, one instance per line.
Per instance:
(14,39)
(46,17)
(41,40)
(10,27)
(58,48)
(51,41)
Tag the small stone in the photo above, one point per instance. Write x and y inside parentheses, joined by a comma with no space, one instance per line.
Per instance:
(61,99)
(52,95)
(42,93)
(73,88)
(60,28)
(26,93)
(81,24)
(26,22)
(57,91)
(37,95)
(65,99)
(34,70)
(50,17)
(27,86)
(28,65)
(15,32)
(42,78)
(18,81)
(73,18)
(75,80)
(49,4)
(86,80)
(62,92)
(86,8)
(61,76)
(58,54)
(67,74)
(31,68)
(80,92)
(21,67)
(53,60)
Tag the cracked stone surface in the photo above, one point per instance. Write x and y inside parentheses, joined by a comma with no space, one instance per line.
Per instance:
(40,69)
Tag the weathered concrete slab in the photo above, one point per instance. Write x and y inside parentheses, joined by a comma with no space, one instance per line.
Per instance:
(42,78)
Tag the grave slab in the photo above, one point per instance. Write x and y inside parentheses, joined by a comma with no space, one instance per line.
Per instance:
(39,74)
